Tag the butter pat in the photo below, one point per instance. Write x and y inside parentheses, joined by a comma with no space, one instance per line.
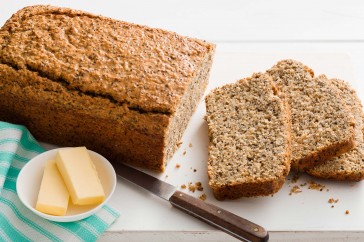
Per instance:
(53,195)
(80,176)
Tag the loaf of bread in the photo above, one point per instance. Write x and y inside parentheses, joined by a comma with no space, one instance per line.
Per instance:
(249,148)
(321,126)
(350,165)
(124,90)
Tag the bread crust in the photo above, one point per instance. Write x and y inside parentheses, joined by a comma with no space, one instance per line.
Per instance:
(74,78)
(238,190)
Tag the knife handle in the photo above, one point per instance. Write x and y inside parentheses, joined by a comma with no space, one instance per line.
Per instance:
(230,223)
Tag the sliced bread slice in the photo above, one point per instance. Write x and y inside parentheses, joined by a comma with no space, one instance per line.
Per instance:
(321,126)
(350,165)
(249,149)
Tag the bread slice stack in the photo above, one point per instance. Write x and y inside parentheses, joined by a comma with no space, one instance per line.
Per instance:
(350,165)
(321,126)
(322,133)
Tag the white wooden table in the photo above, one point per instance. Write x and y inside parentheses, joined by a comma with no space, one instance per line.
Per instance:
(250,35)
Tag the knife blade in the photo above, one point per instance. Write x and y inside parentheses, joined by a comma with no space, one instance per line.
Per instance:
(226,221)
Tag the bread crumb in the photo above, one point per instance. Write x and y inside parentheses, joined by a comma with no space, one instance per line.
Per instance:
(347,212)
(184,152)
(295,189)
(190,145)
(303,184)
(179,144)
(315,186)
(199,186)
(183,186)
(191,187)
(332,206)
(332,200)
(202,197)
(178,165)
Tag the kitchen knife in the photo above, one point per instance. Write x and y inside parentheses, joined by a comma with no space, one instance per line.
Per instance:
(230,223)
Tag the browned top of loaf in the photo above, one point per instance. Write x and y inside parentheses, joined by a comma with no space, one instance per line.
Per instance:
(148,69)
(319,115)
(249,133)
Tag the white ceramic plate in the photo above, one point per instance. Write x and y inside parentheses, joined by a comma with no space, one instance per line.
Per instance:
(30,178)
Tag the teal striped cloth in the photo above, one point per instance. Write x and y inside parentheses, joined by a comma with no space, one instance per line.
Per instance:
(17,223)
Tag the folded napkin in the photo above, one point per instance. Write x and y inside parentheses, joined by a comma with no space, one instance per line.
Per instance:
(17,223)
